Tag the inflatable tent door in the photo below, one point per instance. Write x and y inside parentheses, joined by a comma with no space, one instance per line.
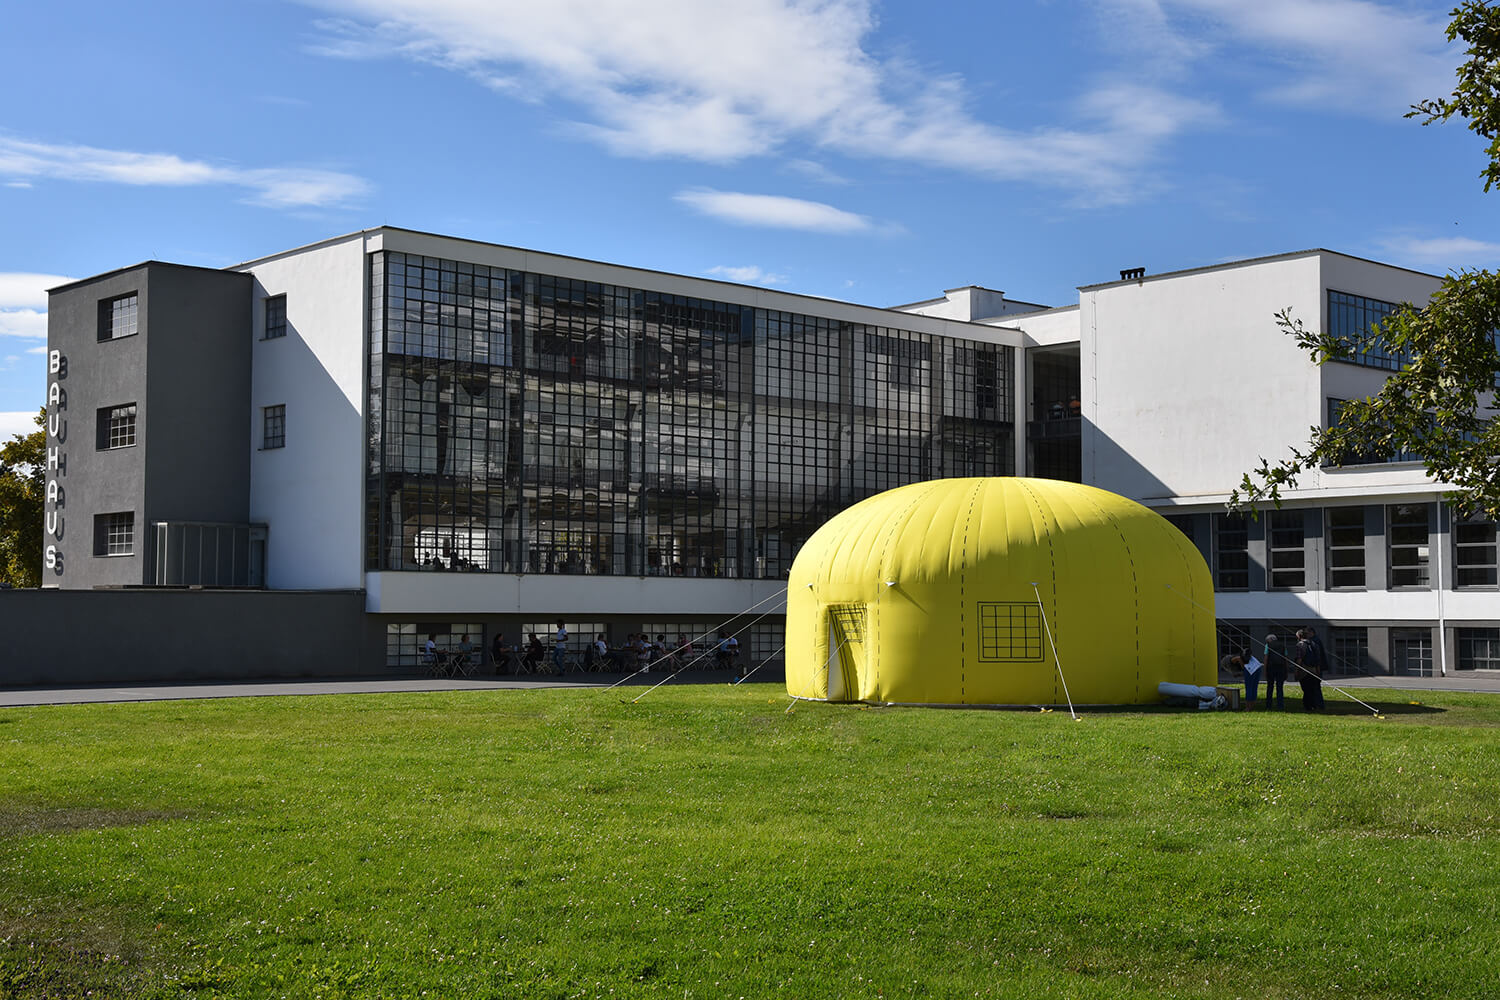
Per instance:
(846,651)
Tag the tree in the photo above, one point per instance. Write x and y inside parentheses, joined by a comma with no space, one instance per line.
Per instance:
(1436,405)
(22,491)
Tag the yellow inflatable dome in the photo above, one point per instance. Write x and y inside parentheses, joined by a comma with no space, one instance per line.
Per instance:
(971,591)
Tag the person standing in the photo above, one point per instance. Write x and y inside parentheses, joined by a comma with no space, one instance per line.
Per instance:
(1254,671)
(560,649)
(1275,668)
(1310,669)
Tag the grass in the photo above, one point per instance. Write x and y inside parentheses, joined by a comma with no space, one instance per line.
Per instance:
(707,843)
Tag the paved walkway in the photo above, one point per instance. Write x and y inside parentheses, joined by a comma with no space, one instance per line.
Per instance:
(1485,683)
(13,697)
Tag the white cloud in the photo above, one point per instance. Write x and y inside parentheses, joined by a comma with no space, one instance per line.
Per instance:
(31,323)
(276,187)
(14,422)
(723,82)
(1443,253)
(813,170)
(21,293)
(773,211)
(22,288)
(749,274)
(1352,55)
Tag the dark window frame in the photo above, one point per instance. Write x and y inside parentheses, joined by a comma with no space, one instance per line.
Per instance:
(115,427)
(1476,553)
(1333,545)
(1419,565)
(114,534)
(119,316)
(1286,560)
(274,325)
(1476,646)
(273,427)
(1351,318)
(1227,526)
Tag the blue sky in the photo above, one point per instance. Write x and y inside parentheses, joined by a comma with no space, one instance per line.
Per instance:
(875,152)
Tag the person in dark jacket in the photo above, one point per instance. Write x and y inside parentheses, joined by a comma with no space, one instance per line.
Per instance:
(1310,663)
(1275,660)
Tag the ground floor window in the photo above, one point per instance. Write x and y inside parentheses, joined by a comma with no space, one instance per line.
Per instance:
(406,643)
(1411,652)
(1479,649)
(1350,651)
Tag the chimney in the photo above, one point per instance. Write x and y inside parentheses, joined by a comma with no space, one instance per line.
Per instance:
(1133,274)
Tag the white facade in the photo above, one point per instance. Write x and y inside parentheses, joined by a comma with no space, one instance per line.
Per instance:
(311,491)
(1187,382)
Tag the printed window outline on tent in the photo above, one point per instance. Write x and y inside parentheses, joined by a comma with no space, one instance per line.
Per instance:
(1010,632)
(850,619)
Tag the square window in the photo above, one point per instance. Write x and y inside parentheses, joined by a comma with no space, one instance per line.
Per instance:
(1011,631)
(273,427)
(114,534)
(117,317)
(275,317)
(115,427)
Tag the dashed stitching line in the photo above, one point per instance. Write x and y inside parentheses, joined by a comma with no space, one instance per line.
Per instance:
(963,600)
(1052,564)
(885,549)
(1136,586)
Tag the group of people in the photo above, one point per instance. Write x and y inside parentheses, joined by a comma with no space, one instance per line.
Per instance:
(1304,662)
(638,653)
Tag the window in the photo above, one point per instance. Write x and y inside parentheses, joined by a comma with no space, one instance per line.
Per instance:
(1346,547)
(115,427)
(1350,318)
(1411,652)
(1474,561)
(1231,552)
(1010,632)
(1371,456)
(275,317)
(117,317)
(114,534)
(1351,651)
(1479,649)
(1408,544)
(406,642)
(273,433)
(1288,557)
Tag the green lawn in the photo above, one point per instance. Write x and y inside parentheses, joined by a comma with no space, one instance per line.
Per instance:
(707,843)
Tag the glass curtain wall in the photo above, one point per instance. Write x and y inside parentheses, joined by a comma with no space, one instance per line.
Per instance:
(523,423)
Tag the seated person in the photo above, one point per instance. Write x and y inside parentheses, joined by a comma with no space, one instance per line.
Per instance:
(436,659)
(596,653)
(465,653)
(500,651)
(534,653)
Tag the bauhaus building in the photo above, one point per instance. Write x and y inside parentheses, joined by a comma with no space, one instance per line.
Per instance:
(431,435)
